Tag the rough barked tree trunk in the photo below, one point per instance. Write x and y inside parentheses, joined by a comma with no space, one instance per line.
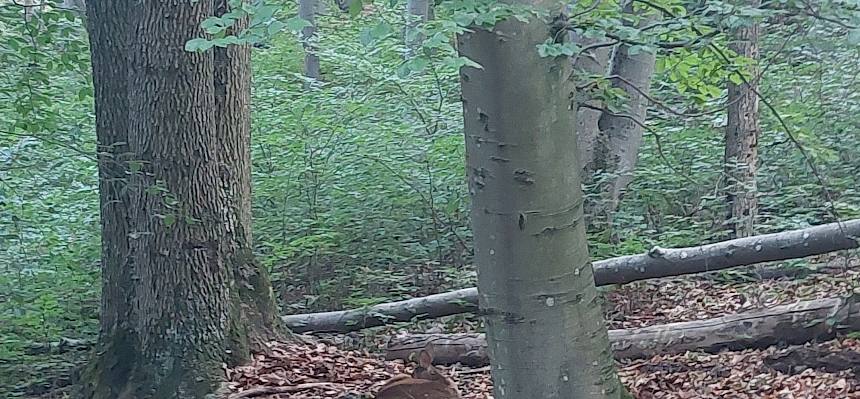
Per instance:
(260,321)
(108,28)
(194,298)
(619,140)
(546,333)
(742,131)
(308,11)
(180,208)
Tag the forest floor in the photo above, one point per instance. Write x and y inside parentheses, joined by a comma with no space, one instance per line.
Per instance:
(339,365)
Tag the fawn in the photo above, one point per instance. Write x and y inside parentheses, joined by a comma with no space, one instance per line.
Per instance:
(426,382)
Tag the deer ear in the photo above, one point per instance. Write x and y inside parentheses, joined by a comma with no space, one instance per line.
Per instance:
(425,359)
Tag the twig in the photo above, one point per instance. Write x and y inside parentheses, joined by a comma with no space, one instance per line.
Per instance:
(590,8)
(590,47)
(51,141)
(656,135)
(260,391)
(812,12)
(478,370)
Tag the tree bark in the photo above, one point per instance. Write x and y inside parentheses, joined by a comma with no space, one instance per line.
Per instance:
(29,8)
(535,283)
(193,297)
(259,320)
(593,63)
(658,262)
(417,13)
(797,323)
(308,11)
(742,131)
(109,35)
(74,5)
(619,140)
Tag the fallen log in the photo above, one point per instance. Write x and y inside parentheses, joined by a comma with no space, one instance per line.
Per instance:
(658,262)
(787,324)
(61,346)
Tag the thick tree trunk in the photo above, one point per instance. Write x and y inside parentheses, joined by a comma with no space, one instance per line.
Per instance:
(659,262)
(545,325)
(192,299)
(308,11)
(179,207)
(619,140)
(742,131)
(788,324)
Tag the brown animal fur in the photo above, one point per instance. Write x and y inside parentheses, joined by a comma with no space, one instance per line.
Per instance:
(426,382)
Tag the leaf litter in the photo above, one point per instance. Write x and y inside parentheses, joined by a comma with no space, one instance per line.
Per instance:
(777,372)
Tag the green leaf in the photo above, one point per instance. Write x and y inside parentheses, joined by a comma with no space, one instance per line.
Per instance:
(464,19)
(366,37)
(212,25)
(274,27)
(355,7)
(418,64)
(296,24)
(381,30)
(198,44)
(226,41)
(854,36)
(735,78)
(264,14)
(403,71)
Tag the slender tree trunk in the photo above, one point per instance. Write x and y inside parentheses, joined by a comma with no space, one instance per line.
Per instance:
(592,64)
(29,8)
(617,147)
(742,131)
(545,329)
(76,5)
(344,5)
(186,296)
(417,13)
(307,11)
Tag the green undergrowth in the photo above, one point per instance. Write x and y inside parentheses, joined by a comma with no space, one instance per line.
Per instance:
(359,180)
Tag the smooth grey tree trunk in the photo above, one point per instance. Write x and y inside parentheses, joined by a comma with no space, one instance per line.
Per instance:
(593,63)
(620,138)
(417,13)
(76,5)
(308,11)
(742,131)
(545,328)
